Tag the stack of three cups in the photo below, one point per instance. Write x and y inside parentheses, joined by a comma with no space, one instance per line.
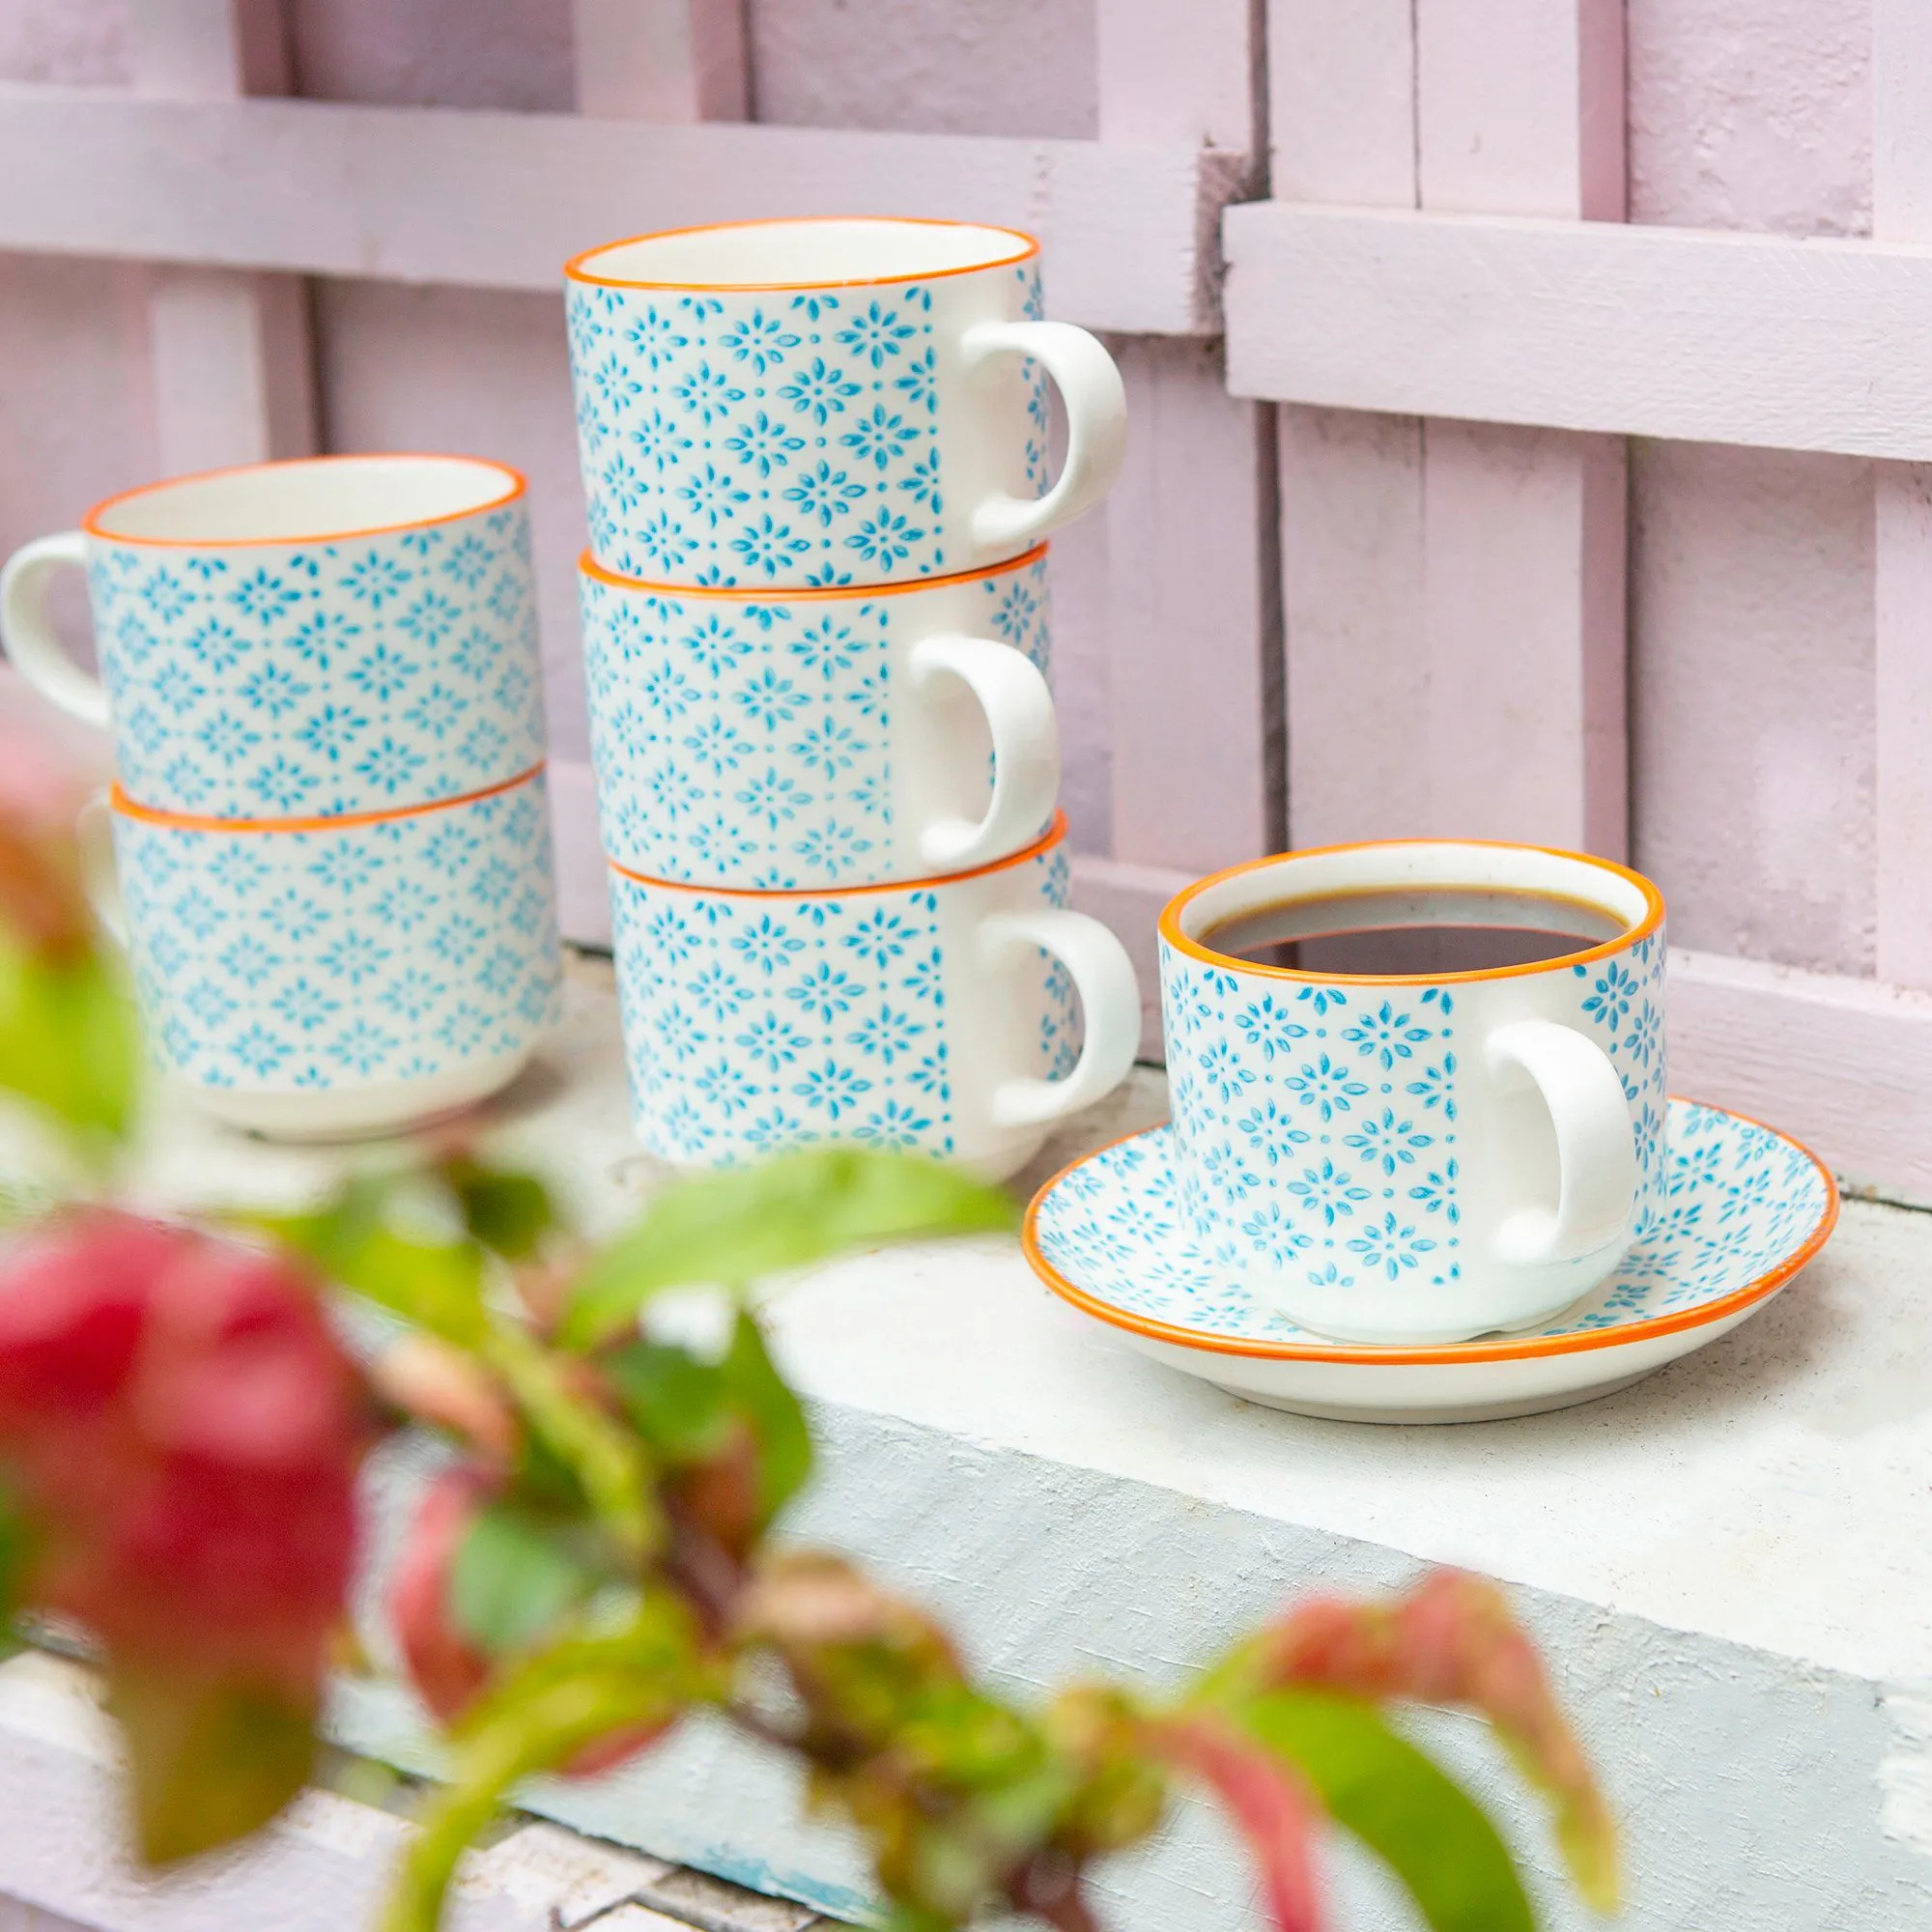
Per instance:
(816,633)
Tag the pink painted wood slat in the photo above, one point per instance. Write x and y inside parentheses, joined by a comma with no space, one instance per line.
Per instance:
(1194,715)
(233,371)
(674,62)
(499,200)
(1902,525)
(1525,530)
(661,60)
(1342,123)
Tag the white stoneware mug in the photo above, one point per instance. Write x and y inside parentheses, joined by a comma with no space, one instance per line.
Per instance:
(805,739)
(938,1016)
(326,979)
(1418,1156)
(830,401)
(340,634)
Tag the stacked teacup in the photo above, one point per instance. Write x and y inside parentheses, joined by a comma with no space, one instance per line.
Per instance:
(329,814)
(816,633)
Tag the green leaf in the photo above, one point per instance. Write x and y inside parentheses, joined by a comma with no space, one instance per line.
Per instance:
(784,1442)
(538,1717)
(437,1285)
(680,1404)
(509,1213)
(726,1230)
(513,1580)
(68,1040)
(210,1761)
(1435,1837)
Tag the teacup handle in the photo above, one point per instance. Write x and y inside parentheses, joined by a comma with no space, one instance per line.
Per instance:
(29,638)
(100,876)
(1097,427)
(1025,749)
(1595,1148)
(1110,999)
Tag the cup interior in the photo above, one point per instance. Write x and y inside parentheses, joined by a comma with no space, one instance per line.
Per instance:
(806,253)
(1412,911)
(314,499)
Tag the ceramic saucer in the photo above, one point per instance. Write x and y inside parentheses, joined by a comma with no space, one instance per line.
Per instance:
(1745,1210)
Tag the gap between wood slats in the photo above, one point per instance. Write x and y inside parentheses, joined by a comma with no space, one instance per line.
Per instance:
(492,200)
(1709,337)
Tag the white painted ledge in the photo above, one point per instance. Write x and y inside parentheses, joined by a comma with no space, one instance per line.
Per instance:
(1730,1564)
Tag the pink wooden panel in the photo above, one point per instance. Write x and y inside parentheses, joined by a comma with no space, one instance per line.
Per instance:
(443,53)
(1342,123)
(232,381)
(1525,530)
(1194,718)
(1751,638)
(1195,769)
(1752,718)
(661,60)
(1902,212)
(964,67)
(1352,562)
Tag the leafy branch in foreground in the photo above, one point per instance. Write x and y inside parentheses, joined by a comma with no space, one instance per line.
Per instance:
(181,1432)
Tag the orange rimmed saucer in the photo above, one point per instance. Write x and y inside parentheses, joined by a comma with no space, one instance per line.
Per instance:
(1746,1209)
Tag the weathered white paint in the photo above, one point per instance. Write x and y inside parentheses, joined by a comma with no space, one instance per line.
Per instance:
(1724,1562)
(322,1867)
(1641,332)
(499,200)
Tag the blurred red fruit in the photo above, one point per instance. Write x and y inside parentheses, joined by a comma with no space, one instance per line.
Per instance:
(182,1429)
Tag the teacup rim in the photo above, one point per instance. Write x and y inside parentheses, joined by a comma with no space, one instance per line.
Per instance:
(518,487)
(588,564)
(1054,835)
(169,820)
(576,271)
(1172,934)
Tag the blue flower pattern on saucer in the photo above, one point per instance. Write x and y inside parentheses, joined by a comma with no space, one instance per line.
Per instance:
(771,437)
(295,681)
(758,1023)
(748,744)
(1318,1123)
(289,961)
(1738,1201)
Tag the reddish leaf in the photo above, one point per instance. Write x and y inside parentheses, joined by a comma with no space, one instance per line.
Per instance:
(1267,1799)
(446,1668)
(1453,1640)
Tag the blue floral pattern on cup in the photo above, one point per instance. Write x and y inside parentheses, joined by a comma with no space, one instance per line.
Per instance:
(308,680)
(758,1022)
(1318,1124)
(749,744)
(772,437)
(281,961)
(1737,1201)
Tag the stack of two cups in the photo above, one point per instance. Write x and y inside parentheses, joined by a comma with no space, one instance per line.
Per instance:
(330,818)
(817,632)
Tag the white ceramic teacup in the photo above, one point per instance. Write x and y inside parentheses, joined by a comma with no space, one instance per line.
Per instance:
(336,633)
(958,1017)
(329,979)
(805,739)
(1422,1155)
(829,401)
